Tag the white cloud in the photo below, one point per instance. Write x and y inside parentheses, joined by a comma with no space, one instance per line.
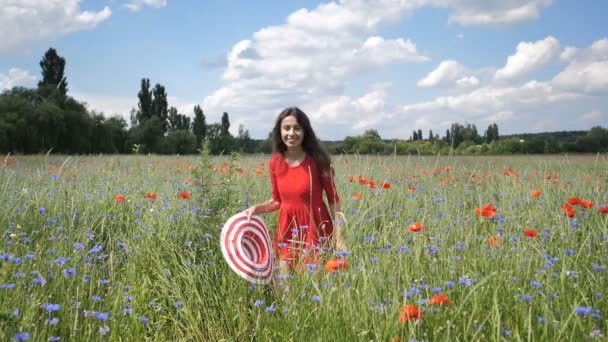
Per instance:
(488,103)
(529,56)
(447,72)
(308,61)
(136,5)
(588,70)
(568,53)
(316,54)
(492,12)
(592,116)
(26,22)
(470,81)
(112,105)
(16,77)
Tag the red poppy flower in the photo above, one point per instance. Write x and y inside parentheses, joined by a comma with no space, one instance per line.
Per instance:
(535,193)
(184,195)
(120,198)
(408,312)
(530,232)
(494,241)
(362,180)
(336,264)
(411,189)
(371,184)
(586,204)
(385,185)
(351,178)
(439,299)
(151,195)
(567,208)
(573,200)
(487,211)
(603,210)
(415,227)
(357,196)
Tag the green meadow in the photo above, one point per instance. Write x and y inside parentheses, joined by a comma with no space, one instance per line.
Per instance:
(96,248)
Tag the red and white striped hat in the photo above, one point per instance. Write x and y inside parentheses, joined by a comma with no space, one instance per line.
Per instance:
(246,248)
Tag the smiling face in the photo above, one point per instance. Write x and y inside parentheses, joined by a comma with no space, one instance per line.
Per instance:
(292,133)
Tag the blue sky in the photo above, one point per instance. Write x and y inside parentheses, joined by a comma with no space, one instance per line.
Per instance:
(393,66)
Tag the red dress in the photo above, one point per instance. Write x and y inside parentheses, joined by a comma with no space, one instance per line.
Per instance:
(304,225)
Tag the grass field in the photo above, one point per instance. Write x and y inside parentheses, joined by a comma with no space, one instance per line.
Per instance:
(127,248)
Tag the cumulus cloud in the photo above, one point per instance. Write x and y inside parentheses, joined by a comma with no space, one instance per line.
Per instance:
(492,12)
(588,70)
(136,5)
(308,61)
(528,57)
(447,72)
(16,77)
(26,22)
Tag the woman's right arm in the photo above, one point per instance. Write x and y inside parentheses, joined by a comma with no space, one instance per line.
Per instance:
(262,208)
(274,203)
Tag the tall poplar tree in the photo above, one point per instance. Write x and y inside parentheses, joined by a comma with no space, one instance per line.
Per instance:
(53,68)
(199,125)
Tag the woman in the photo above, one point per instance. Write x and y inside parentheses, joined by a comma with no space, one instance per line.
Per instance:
(300,171)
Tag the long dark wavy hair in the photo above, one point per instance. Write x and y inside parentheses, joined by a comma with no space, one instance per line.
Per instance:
(310,143)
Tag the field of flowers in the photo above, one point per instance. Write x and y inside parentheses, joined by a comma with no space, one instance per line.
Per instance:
(440,249)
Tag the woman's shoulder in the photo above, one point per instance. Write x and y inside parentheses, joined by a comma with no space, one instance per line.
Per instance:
(275,160)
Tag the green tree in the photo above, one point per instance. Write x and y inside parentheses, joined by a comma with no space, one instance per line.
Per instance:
(160,107)
(225,124)
(53,77)
(199,125)
(178,122)
(144,111)
(243,140)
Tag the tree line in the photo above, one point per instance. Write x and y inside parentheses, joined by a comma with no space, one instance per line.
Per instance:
(46,118)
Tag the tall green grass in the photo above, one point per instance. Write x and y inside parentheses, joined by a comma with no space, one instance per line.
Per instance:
(146,269)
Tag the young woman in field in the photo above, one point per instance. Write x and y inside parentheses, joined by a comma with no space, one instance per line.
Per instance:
(300,171)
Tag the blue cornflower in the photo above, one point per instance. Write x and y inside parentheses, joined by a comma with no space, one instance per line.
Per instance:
(541,319)
(506,332)
(178,304)
(437,290)
(96,298)
(54,338)
(315,298)
(144,320)
(403,249)
(69,272)
(78,245)
(432,249)
(568,251)
(526,298)
(449,283)
(39,281)
(583,311)
(95,249)
(259,302)
(536,284)
(22,336)
(465,281)
(41,210)
(51,307)
(369,238)
(102,316)
(52,321)
(598,268)
(271,308)
(8,286)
